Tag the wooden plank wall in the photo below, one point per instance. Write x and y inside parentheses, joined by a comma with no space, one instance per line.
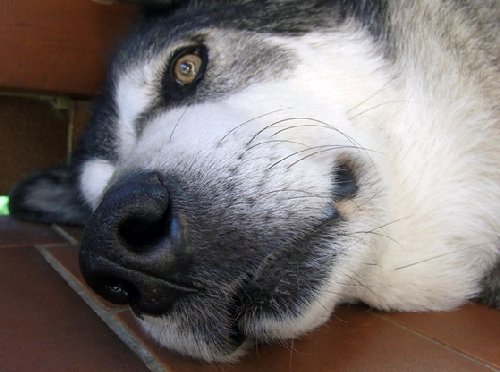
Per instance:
(55,48)
(58,46)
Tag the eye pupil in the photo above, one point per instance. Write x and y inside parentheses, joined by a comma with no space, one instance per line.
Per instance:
(187,68)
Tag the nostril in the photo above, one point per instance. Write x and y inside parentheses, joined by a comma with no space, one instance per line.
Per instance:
(145,231)
(117,291)
(132,250)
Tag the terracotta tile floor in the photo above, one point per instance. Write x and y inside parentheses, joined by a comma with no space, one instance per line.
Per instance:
(50,321)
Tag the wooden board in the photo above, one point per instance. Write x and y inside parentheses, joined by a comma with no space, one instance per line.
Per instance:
(59,46)
(33,136)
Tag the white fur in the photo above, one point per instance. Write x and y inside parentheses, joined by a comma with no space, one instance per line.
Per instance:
(132,93)
(94,177)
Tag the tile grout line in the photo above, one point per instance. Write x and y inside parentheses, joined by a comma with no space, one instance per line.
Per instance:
(440,343)
(132,341)
(63,234)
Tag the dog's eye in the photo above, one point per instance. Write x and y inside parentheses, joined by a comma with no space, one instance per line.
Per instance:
(186,68)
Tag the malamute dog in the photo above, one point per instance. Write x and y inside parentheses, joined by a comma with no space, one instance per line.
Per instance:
(249,165)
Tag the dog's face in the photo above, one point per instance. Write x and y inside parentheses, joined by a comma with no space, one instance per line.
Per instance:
(239,182)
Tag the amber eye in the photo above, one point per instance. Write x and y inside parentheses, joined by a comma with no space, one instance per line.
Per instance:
(184,71)
(186,68)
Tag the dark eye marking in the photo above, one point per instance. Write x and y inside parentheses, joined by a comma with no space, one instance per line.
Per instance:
(185,70)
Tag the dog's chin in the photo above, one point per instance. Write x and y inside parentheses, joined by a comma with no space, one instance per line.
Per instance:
(206,337)
(224,344)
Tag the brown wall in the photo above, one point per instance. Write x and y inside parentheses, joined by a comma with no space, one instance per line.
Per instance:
(58,48)
(32,136)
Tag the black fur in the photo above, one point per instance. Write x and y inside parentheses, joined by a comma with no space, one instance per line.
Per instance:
(491,288)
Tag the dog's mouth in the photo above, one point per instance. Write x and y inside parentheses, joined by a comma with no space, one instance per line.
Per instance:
(236,310)
(235,289)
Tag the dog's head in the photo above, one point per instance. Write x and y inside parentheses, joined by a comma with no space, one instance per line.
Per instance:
(228,179)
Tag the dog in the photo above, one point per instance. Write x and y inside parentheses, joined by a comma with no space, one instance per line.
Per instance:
(250,165)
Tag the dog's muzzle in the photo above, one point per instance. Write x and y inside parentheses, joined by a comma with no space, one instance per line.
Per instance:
(133,251)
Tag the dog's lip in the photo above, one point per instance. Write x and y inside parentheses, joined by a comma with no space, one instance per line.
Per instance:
(138,294)
(236,334)
(236,308)
(137,312)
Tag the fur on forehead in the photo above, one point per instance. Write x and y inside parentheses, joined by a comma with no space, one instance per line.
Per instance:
(171,21)
(276,16)
(163,6)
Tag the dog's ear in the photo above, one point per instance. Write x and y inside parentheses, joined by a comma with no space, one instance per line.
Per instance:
(50,196)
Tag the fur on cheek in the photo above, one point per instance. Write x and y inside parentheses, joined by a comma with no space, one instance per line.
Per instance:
(94,178)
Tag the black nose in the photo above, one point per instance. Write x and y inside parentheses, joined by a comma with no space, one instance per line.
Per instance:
(133,250)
